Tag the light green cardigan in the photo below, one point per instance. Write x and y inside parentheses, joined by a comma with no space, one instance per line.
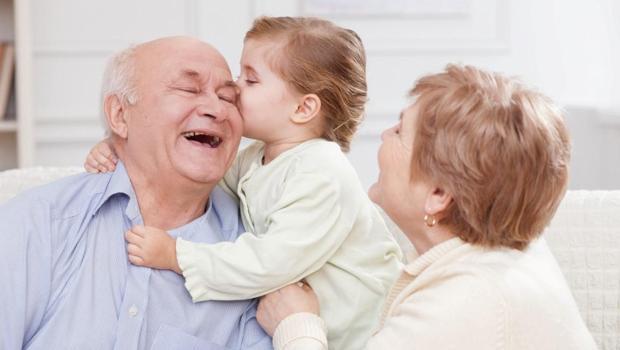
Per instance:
(307,216)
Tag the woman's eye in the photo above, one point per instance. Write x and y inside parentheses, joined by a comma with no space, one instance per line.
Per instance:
(250,81)
(398,127)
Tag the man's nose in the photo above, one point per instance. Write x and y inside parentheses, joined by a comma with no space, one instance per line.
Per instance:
(212,107)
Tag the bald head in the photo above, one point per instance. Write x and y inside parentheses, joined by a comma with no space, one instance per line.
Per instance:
(125,68)
(156,51)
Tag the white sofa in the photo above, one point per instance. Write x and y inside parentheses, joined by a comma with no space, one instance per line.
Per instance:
(584,237)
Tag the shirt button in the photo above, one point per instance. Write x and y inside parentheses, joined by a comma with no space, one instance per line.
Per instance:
(133,311)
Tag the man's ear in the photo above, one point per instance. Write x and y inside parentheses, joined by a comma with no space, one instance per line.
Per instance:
(308,108)
(437,201)
(116,115)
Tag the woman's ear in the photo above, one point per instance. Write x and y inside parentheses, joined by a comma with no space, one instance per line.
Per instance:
(116,115)
(437,201)
(308,108)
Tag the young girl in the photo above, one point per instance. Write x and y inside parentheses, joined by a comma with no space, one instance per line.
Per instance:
(302,95)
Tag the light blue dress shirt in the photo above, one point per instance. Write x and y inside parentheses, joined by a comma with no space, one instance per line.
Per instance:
(66,283)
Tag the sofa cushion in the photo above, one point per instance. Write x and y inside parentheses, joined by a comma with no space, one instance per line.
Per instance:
(15,181)
(584,237)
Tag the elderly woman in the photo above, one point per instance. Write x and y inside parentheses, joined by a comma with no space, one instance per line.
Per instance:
(472,173)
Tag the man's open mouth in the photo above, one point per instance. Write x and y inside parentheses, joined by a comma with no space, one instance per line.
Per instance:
(203,138)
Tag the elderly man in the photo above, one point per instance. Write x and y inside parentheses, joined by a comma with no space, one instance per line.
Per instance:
(66,282)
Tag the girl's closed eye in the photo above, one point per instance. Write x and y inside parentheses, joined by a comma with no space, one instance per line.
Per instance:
(250,78)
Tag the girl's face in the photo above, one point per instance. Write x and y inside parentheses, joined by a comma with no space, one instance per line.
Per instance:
(266,101)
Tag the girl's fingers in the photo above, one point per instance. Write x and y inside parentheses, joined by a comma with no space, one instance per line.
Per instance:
(136,260)
(133,249)
(139,230)
(105,162)
(132,237)
(90,168)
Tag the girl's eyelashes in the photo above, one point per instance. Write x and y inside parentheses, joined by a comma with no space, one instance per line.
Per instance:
(248,78)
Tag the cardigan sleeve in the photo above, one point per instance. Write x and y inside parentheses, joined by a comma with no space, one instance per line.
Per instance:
(459,308)
(307,225)
(458,311)
(230,181)
(301,331)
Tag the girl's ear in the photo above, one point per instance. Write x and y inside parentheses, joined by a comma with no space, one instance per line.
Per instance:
(116,115)
(308,108)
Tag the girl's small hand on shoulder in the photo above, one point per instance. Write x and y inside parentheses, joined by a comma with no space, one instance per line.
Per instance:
(101,158)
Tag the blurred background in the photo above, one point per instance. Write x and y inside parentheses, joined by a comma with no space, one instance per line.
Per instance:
(568,49)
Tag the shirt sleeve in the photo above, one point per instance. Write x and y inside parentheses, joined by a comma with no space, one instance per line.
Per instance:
(25,269)
(306,227)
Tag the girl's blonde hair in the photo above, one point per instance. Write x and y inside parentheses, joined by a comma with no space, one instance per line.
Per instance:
(318,57)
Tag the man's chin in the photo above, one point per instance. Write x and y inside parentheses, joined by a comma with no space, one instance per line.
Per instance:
(200,173)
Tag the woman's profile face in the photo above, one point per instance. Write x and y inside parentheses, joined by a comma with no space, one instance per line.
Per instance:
(393,187)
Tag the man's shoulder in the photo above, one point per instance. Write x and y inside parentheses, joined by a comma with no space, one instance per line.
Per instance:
(63,197)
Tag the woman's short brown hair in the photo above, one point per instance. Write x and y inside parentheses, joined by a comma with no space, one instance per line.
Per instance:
(316,56)
(500,149)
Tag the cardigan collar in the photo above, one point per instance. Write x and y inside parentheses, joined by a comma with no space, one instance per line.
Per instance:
(418,265)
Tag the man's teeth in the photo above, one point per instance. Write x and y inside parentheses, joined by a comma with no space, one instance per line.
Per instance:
(212,140)
(193,133)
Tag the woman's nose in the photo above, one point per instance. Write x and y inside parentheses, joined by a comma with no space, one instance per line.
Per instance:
(385,133)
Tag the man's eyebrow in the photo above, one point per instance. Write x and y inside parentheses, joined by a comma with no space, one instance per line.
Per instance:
(231,84)
(190,73)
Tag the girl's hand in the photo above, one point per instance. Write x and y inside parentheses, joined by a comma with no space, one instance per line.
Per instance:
(278,305)
(101,158)
(152,247)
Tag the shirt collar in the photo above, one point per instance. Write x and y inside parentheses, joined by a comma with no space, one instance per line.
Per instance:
(120,183)
(425,260)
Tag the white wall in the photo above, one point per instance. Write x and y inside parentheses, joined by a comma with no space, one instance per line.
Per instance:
(567,48)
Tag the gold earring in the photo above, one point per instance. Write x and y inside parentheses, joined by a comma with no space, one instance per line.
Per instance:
(430,220)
